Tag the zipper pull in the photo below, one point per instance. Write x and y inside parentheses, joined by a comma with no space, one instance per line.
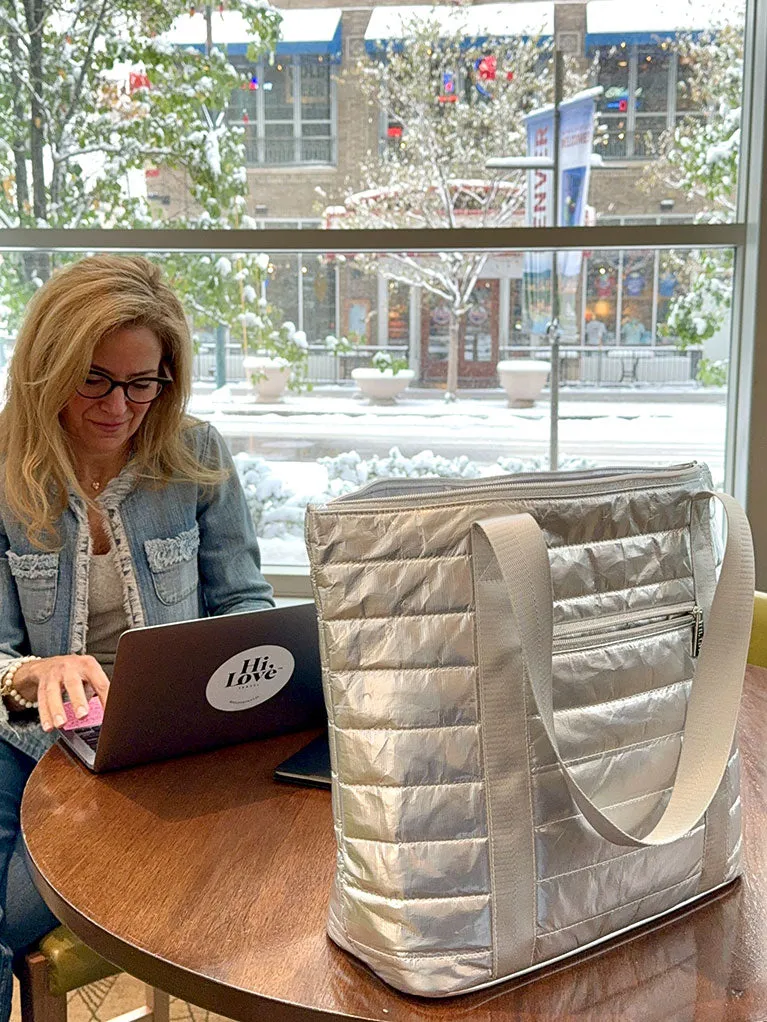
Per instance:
(697,630)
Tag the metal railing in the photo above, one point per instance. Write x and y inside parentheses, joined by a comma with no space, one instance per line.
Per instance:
(325,367)
(289,151)
(580,365)
(608,366)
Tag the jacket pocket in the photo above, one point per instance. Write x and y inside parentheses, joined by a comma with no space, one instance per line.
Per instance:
(36,577)
(173,563)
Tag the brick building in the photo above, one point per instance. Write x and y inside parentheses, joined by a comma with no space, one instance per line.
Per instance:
(307,127)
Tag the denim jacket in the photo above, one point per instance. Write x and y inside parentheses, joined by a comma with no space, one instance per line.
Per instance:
(185,551)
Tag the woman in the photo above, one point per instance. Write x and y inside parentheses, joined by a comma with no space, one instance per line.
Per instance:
(116,510)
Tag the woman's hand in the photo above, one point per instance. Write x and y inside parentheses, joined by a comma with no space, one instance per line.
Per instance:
(47,679)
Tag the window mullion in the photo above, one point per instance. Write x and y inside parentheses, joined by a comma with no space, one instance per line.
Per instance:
(655,283)
(260,115)
(619,299)
(631,119)
(671,91)
(297,142)
(333,117)
(747,390)
(468,239)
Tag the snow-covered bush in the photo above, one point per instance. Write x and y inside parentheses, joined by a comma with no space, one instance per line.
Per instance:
(278,511)
(713,372)
(265,493)
(566,464)
(275,508)
(286,343)
(384,361)
(351,468)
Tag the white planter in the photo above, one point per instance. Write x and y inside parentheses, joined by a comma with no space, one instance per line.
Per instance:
(523,379)
(269,376)
(382,388)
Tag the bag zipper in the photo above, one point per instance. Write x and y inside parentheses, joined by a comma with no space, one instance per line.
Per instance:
(438,484)
(535,484)
(617,628)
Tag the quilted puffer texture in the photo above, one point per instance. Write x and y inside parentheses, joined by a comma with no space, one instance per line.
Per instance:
(632,560)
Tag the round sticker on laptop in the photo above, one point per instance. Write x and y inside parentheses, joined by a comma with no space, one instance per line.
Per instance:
(250,677)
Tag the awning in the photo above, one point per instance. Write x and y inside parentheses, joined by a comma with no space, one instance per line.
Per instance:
(611,22)
(477,22)
(301,31)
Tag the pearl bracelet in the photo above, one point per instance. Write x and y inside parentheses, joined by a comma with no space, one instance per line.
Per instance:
(6,686)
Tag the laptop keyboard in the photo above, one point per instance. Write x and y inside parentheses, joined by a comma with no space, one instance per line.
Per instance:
(90,735)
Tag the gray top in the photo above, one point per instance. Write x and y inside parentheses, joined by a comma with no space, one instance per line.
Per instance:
(107,618)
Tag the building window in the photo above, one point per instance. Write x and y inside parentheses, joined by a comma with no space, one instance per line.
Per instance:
(398,313)
(628,296)
(287,110)
(657,79)
(301,286)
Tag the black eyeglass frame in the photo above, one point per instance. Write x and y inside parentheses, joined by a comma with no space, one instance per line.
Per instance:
(113,384)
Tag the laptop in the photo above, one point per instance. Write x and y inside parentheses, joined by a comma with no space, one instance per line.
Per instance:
(194,685)
(309,766)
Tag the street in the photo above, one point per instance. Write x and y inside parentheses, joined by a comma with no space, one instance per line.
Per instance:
(603,432)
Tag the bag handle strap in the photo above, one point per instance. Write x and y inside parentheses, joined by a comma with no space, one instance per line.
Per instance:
(514,544)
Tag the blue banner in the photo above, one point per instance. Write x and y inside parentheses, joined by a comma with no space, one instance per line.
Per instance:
(576,137)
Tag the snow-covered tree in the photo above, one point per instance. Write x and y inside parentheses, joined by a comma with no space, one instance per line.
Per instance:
(699,158)
(90,97)
(450,103)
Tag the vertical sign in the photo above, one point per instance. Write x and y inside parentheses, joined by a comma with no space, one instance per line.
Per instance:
(576,135)
(537,272)
(576,140)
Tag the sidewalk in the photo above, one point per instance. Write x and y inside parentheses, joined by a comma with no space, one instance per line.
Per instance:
(238,399)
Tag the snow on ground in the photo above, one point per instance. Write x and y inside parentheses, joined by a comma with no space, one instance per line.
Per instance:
(624,430)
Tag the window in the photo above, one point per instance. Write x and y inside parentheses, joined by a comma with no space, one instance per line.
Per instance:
(301,286)
(287,110)
(620,312)
(658,79)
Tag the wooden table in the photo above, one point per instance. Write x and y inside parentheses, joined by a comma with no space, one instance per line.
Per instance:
(206,879)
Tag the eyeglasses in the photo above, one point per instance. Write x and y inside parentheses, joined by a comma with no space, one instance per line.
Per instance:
(139,391)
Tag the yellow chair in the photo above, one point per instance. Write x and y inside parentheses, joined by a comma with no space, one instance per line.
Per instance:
(757,650)
(60,964)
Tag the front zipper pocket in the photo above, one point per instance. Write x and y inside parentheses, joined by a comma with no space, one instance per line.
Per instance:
(576,636)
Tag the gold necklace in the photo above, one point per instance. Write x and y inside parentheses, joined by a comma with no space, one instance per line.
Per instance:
(96,485)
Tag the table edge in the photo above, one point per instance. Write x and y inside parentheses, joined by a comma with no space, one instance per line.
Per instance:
(177,980)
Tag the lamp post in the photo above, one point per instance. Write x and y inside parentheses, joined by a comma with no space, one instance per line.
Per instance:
(553,330)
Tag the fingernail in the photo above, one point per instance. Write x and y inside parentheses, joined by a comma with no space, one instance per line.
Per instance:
(81,711)
(47,726)
(59,719)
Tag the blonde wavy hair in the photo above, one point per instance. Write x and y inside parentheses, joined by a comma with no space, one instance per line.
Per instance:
(64,323)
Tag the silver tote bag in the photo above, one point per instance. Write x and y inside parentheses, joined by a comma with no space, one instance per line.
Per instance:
(532,685)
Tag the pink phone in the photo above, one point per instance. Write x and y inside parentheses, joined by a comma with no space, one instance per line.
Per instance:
(93,719)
